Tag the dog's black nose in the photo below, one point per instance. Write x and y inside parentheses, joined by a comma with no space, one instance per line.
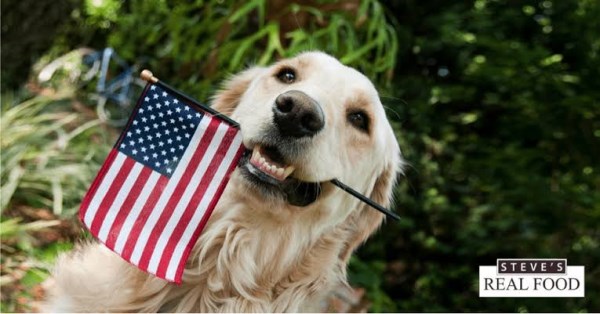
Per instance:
(297,114)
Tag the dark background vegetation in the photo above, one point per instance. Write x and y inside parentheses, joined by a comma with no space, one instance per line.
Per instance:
(496,105)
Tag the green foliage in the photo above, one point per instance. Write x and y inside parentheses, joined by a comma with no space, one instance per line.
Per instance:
(51,150)
(28,29)
(197,44)
(102,13)
(49,153)
(371,275)
(498,110)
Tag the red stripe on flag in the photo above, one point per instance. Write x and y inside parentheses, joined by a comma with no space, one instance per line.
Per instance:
(177,193)
(193,204)
(211,207)
(85,203)
(115,187)
(143,217)
(133,195)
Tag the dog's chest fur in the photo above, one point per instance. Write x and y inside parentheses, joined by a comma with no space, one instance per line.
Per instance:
(240,266)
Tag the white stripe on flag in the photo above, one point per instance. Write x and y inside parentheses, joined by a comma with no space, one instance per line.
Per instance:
(135,211)
(108,180)
(115,208)
(185,198)
(168,191)
(204,203)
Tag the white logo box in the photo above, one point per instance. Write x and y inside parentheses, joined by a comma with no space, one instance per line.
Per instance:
(569,285)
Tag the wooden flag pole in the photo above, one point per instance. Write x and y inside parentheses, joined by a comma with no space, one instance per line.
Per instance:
(146,75)
(149,77)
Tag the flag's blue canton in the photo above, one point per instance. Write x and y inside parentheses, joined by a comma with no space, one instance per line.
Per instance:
(161,131)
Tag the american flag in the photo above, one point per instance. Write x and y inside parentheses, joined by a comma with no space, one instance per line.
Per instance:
(161,181)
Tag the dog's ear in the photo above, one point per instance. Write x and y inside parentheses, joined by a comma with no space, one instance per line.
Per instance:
(363,222)
(228,98)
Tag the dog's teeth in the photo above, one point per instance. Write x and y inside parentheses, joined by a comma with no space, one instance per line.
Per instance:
(279,172)
(288,170)
(255,154)
(265,165)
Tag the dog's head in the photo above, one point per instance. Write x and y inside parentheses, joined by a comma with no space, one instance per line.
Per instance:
(308,120)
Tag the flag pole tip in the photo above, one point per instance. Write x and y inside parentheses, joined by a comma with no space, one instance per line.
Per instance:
(147,75)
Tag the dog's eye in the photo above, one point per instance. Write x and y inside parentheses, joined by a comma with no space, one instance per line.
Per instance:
(286,75)
(360,120)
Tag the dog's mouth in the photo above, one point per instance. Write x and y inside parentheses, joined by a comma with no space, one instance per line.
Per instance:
(269,171)
(269,161)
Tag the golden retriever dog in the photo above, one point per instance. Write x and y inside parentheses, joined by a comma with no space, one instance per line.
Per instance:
(280,238)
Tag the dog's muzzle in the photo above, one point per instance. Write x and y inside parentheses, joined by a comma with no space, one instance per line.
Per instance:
(269,165)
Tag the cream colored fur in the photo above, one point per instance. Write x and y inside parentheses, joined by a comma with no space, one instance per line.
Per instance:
(260,254)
